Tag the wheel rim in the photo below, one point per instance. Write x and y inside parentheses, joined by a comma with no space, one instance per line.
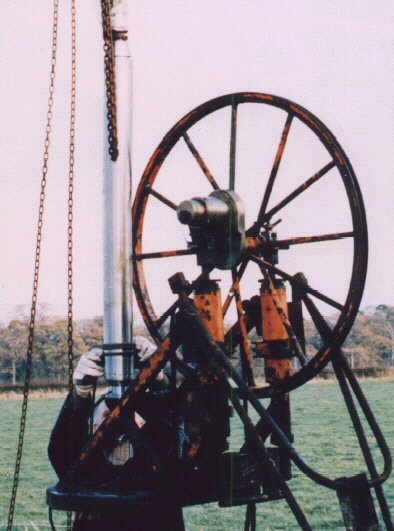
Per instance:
(340,161)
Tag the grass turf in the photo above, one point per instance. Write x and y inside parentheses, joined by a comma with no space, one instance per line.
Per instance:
(323,436)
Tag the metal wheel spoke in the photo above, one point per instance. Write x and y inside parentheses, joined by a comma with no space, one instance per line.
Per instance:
(246,356)
(312,239)
(200,161)
(230,296)
(163,199)
(165,254)
(296,282)
(233,143)
(304,186)
(275,166)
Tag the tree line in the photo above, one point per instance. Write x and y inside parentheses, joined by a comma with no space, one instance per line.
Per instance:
(370,344)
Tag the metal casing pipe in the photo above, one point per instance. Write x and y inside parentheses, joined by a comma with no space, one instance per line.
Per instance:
(117,219)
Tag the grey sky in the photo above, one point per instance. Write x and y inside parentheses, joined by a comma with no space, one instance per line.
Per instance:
(332,57)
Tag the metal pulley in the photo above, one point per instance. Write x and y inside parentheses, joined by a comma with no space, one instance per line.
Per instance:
(217,227)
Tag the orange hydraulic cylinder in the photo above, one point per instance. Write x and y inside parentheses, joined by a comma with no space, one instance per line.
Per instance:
(208,301)
(278,361)
(207,412)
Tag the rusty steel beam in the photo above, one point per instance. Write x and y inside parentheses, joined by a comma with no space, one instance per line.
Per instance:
(163,199)
(165,254)
(304,186)
(313,239)
(200,161)
(275,167)
(246,356)
(233,143)
(231,293)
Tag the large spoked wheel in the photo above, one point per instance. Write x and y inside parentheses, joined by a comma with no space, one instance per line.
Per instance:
(292,174)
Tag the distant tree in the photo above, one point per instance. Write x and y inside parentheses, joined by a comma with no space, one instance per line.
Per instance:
(49,353)
(91,332)
(370,343)
(387,312)
(13,344)
(51,349)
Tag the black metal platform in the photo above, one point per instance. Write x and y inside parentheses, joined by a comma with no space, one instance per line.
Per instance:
(135,500)
(91,500)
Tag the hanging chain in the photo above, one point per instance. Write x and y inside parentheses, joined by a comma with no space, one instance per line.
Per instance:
(70,199)
(30,341)
(70,341)
(110,80)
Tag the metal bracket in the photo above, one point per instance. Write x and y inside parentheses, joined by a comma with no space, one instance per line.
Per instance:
(355,500)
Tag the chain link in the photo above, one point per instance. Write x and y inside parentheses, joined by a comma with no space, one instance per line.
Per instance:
(110,80)
(70,198)
(30,341)
(70,341)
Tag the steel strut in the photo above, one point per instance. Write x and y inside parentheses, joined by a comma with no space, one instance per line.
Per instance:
(342,368)
(343,371)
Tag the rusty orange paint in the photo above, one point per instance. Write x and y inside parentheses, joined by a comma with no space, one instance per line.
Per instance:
(253,243)
(186,118)
(231,294)
(262,349)
(164,254)
(306,117)
(242,325)
(194,448)
(274,330)
(283,140)
(209,306)
(200,161)
(339,157)
(273,326)
(283,368)
(154,366)
(266,97)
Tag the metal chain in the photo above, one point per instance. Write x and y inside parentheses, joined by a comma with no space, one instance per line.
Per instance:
(110,80)
(30,341)
(70,341)
(70,198)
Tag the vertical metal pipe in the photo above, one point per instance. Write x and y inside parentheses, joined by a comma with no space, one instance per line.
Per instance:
(117,220)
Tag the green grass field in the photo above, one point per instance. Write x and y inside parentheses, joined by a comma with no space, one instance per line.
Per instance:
(323,436)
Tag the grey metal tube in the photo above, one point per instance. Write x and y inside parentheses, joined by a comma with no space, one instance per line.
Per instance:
(117,222)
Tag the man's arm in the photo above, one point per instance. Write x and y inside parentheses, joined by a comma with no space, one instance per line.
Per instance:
(71,430)
(70,433)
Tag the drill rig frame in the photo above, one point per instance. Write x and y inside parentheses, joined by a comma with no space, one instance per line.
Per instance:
(198,347)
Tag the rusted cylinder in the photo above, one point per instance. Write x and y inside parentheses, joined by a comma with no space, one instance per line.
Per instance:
(207,414)
(208,301)
(273,327)
(278,362)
